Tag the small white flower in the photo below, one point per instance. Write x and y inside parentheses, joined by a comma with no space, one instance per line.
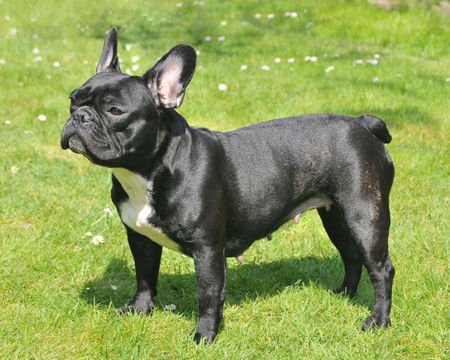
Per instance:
(446,80)
(328,69)
(313,58)
(97,239)
(42,117)
(14,169)
(359,61)
(287,13)
(294,14)
(128,47)
(28,132)
(114,287)
(376,79)
(13,31)
(222,87)
(128,71)
(170,307)
(265,68)
(376,56)
(135,58)
(243,67)
(2,61)
(56,64)
(290,60)
(221,38)
(223,23)
(36,51)
(135,67)
(277,60)
(7,122)
(270,16)
(179,4)
(207,38)
(307,58)
(257,16)
(86,234)
(197,52)
(108,211)
(38,58)
(372,61)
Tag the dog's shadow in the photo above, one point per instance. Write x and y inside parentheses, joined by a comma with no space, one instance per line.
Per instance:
(245,283)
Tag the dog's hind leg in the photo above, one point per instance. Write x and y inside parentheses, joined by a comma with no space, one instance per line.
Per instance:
(368,223)
(338,232)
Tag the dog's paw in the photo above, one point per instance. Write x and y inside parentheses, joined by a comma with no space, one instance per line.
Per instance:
(344,291)
(372,323)
(135,308)
(204,338)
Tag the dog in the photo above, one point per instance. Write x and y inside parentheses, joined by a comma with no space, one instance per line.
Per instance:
(209,195)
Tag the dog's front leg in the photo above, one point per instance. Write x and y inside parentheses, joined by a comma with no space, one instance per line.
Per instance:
(147,258)
(211,268)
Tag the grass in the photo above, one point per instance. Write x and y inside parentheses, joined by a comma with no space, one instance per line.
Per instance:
(57,300)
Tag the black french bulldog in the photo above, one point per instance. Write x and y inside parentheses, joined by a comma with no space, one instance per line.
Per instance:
(210,195)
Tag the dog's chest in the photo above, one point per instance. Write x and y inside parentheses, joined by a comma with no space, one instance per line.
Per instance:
(136,211)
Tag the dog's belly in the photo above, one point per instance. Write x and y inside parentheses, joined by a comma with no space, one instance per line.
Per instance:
(137,218)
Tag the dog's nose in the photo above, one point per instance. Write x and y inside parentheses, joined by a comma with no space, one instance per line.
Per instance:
(82,115)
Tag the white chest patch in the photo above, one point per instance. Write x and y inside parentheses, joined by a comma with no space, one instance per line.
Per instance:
(137,210)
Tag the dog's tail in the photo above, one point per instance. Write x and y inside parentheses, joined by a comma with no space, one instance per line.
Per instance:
(376,127)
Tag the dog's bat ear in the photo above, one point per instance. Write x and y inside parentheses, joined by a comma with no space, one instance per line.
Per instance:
(109,60)
(168,79)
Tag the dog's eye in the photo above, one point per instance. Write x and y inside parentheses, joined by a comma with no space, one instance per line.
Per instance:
(115,111)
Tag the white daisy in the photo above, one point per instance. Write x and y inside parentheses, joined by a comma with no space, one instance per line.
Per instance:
(243,67)
(328,69)
(257,16)
(114,287)
(277,60)
(56,64)
(97,239)
(221,38)
(42,117)
(108,211)
(86,234)
(170,307)
(265,68)
(14,169)
(135,58)
(222,87)
(290,60)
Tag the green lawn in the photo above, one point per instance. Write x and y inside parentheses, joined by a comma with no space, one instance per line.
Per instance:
(58,290)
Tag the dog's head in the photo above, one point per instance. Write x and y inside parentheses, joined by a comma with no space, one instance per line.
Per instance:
(115,116)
